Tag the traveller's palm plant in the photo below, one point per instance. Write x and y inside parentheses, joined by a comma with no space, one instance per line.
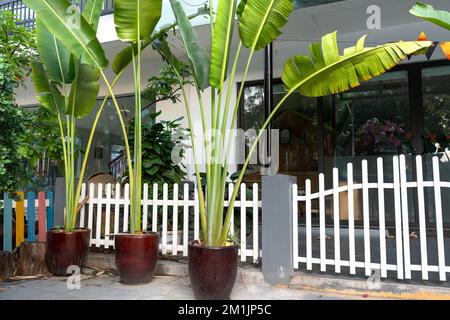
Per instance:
(72,56)
(260,22)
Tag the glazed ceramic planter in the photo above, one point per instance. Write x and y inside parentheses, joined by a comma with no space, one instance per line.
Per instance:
(212,271)
(66,249)
(136,257)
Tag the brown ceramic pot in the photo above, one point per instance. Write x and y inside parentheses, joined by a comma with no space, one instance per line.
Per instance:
(65,249)
(212,271)
(136,257)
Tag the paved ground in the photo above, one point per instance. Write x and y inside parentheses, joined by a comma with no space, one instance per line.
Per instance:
(108,287)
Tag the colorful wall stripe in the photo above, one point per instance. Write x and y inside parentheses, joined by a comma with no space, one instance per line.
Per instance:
(50,211)
(7,223)
(20,220)
(17,209)
(31,217)
(41,217)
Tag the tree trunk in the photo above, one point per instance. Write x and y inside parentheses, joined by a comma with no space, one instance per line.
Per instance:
(31,259)
(8,263)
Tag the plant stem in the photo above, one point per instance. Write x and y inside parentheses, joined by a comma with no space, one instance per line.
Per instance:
(88,149)
(122,125)
(252,149)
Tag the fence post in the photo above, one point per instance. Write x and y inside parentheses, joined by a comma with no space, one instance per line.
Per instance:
(277,229)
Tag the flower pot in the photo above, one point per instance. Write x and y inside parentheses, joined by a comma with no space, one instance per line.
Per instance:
(136,257)
(212,271)
(66,249)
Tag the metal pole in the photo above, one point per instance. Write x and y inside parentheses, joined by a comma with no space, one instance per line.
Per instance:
(268,89)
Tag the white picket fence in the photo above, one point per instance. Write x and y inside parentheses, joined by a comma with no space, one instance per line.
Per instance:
(400,186)
(109,208)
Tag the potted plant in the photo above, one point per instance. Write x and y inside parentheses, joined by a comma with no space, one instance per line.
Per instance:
(135,21)
(68,88)
(73,37)
(213,259)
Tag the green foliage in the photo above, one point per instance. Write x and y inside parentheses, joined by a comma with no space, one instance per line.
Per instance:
(166,86)
(260,23)
(66,79)
(162,145)
(71,28)
(328,72)
(15,54)
(428,13)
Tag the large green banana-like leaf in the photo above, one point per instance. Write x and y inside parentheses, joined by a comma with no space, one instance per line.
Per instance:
(221,42)
(427,12)
(162,46)
(260,22)
(56,58)
(241,7)
(67,24)
(84,90)
(46,92)
(124,58)
(198,56)
(329,73)
(92,12)
(136,19)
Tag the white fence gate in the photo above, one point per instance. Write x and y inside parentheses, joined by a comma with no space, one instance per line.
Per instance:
(402,264)
(110,210)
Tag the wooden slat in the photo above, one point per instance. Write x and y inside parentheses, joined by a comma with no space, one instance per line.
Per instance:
(405,218)
(398,218)
(99,201)
(31,217)
(83,209)
(196,215)
(422,218)
(91,211)
(336,218)
(108,215)
(323,244)
(366,217)
(308,225)
(351,218)
(42,223)
(230,194)
(126,207)
(243,223)
(155,208)
(20,219)
(295,225)
(164,219)
(185,219)
(439,222)
(381,217)
(50,210)
(145,208)
(255,223)
(117,209)
(175,221)
(7,223)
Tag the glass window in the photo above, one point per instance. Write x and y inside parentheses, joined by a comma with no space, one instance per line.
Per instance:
(297,122)
(436,104)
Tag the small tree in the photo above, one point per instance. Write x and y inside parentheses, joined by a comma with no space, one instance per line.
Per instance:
(16,52)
